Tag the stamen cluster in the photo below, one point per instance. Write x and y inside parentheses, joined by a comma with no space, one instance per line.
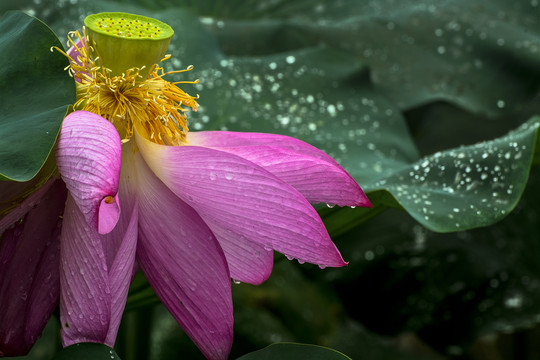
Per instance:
(154,106)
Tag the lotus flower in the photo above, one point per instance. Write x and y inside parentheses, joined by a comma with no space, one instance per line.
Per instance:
(191,209)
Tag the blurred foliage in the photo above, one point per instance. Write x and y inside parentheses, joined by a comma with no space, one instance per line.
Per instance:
(432,106)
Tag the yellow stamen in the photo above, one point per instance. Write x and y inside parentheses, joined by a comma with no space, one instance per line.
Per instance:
(155,106)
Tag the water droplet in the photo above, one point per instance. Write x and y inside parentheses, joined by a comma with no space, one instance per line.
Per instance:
(290,59)
(514,301)
(237,282)
(330,205)
(289,257)
(369,255)
(331,110)
(322,266)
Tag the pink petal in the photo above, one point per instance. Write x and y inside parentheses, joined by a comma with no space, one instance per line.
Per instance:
(185,265)
(115,251)
(128,193)
(248,261)
(244,198)
(108,214)
(30,285)
(120,244)
(121,273)
(88,155)
(309,170)
(74,53)
(230,139)
(85,300)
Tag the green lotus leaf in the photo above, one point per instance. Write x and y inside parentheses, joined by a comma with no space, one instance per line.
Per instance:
(87,351)
(36,93)
(291,351)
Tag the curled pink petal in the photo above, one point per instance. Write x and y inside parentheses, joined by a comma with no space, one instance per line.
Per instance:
(96,273)
(108,214)
(88,155)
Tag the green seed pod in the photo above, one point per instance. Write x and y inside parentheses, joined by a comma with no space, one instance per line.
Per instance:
(125,41)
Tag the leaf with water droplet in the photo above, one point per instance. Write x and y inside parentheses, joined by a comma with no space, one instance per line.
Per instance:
(462,188)
(86,351)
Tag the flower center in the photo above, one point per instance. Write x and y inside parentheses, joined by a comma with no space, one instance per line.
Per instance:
(119,79)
